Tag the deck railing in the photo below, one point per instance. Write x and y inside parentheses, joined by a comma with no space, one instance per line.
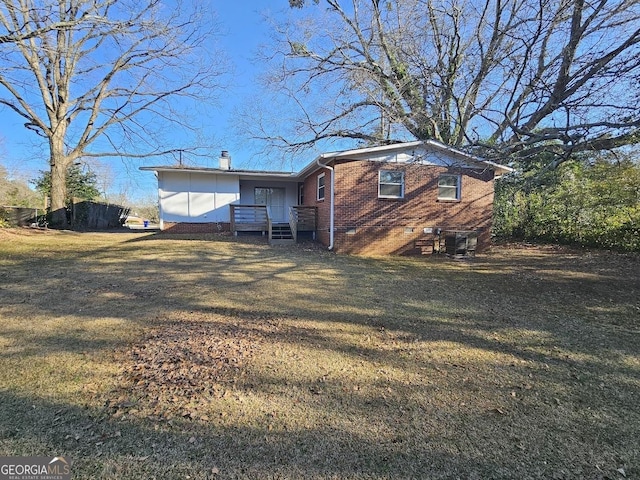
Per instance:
(249,218)
(257,218)
(306,218)
(269,224)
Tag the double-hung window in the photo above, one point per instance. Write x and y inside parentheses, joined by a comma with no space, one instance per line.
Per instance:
(320,187)
(390,184)
(449,187)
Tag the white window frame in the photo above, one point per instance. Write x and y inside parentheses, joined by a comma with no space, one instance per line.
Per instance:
(380,183)
(318,187)
(457,187)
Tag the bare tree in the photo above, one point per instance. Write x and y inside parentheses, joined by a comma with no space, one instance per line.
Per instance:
(513,77)
(14,37)
(96,78)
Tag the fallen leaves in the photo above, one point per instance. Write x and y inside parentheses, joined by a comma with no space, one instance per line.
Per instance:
(180,368)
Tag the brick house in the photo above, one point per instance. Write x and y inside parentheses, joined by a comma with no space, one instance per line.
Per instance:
(405,198)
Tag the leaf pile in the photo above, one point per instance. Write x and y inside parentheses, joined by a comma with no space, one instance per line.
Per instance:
(179,369)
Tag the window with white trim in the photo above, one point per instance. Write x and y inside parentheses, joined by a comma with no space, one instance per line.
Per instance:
(320,187)
(449,187)
(390,184)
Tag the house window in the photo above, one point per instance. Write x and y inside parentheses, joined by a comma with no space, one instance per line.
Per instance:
(301,194)
(391,184)
(321,186)
(449,187)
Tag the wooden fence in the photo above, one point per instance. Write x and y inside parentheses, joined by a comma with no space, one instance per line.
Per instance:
(81,214)
(19,216)
(85,214)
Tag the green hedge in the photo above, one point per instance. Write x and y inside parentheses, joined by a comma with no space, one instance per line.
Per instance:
(594,203)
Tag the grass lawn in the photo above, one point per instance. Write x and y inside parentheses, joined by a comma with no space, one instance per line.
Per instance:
(139,355)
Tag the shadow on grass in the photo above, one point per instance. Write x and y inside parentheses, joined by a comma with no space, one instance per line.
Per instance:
(102,447)
(362,436)
(573,306)
(564,325)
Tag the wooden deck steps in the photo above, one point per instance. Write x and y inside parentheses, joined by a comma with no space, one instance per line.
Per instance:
(257,218)
(281,234)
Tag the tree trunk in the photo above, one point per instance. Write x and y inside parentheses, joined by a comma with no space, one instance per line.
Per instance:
(79,79)
(59,166)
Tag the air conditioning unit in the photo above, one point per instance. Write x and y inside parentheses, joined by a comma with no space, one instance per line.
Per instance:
(460,243)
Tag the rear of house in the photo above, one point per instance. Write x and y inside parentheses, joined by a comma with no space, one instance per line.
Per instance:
(200,200)
(394,199)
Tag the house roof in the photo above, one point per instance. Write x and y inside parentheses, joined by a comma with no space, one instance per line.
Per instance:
(429,144)
(220,171)
(324,158)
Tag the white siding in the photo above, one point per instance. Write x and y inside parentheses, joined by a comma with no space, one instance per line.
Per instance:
(173,190)
(201,196)
(417,154)
(227,191)
(196,197)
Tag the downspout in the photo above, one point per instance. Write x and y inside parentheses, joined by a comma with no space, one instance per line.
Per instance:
(160,214)
(331,204)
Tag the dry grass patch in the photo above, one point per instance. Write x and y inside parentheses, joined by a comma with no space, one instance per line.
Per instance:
(151,356)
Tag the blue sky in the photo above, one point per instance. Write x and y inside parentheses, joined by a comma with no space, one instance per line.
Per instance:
(244,29)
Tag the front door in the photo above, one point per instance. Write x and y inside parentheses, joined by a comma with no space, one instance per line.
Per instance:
(274,199)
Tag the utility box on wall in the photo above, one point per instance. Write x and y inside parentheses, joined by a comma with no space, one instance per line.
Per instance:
(460,243)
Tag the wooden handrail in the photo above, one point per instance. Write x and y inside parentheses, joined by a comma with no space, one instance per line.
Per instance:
(293,223)
(269,224)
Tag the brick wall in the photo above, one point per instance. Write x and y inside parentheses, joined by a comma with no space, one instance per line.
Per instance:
(324,206)
(183,227)
(367,224)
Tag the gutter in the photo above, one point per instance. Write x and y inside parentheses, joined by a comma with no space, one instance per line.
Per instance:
(332,198)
